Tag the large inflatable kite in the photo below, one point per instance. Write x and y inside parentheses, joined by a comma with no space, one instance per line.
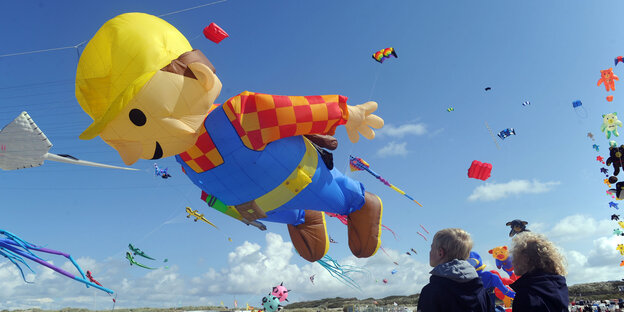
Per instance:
(152,96)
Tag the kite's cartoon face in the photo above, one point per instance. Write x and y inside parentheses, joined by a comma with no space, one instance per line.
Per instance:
(500,253)
(610,119)
(165,117)
(280,292)
(620,248)
(607,73)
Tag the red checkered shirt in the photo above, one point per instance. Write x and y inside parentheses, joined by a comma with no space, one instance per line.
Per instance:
(260,119)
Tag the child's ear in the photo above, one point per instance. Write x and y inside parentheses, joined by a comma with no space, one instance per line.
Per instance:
(204,74)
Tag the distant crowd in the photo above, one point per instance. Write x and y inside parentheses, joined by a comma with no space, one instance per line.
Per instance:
(616,305)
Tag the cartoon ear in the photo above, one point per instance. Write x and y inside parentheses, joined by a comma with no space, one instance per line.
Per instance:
(204,74)
(505,247)
(525,223)
(282,284)
(508,224)
(491,251)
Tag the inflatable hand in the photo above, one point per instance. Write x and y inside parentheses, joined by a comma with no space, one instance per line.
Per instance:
(508,302)
(360,119)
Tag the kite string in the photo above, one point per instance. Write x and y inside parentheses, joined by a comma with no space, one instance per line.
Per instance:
(370,96)
(492,135)
(193,8)
(83,42)
(43,50)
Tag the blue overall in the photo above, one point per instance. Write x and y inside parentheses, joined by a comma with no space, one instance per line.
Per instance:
(245,175)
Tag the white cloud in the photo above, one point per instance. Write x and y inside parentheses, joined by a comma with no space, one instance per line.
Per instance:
(601,263)
(495,191)
(393,149)
(568,229)
(250,273)
(402,130)
(585,264)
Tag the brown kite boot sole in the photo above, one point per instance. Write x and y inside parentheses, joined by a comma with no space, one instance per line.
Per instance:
(310,238)
(365,227)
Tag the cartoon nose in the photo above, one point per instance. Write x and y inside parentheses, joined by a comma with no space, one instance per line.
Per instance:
(158,152)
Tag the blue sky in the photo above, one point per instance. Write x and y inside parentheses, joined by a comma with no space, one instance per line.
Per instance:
(549,53)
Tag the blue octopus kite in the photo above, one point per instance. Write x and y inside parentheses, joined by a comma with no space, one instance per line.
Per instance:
(341,272)
(14,248)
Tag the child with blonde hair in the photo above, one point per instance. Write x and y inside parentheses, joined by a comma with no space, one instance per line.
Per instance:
(454,284)
(542,285)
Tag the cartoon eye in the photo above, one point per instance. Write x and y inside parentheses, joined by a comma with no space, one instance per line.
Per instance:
(137,117)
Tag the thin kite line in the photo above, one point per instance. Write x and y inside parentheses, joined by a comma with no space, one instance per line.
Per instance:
(44,50)
(492,134)
(83,42)
(193,8)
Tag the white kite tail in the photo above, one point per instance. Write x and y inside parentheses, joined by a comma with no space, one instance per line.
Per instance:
(24,145)
(72,160)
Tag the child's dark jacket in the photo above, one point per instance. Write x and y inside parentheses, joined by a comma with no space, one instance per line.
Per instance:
(454,286)
(540,292)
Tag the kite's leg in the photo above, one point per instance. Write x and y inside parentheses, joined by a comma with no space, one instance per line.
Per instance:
(310,238)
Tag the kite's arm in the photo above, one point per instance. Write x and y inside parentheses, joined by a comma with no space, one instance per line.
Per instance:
(600,81)
(263,118)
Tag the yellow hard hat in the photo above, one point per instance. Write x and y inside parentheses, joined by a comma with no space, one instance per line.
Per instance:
(121,57)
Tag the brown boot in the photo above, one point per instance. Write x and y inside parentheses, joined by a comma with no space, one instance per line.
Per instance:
(365,227)
(310,237)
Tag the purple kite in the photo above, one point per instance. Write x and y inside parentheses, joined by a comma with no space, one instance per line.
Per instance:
(357,164)
(14,248)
